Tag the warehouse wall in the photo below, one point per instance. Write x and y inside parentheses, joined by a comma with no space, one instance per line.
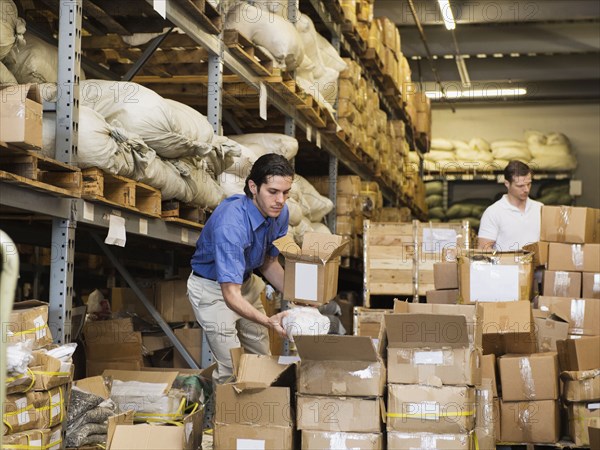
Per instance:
(579,122)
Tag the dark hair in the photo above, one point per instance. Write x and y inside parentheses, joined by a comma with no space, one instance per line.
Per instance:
(267,166)
(516,169)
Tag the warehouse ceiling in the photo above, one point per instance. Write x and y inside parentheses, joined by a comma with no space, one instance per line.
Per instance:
(549,48)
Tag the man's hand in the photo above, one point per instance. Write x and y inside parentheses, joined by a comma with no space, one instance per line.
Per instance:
(275,323)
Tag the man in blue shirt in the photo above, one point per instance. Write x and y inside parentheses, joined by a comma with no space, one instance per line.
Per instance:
(238,238)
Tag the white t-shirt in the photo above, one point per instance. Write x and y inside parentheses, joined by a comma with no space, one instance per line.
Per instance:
(510,227)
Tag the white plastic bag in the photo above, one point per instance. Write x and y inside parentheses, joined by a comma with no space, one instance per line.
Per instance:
(305,320)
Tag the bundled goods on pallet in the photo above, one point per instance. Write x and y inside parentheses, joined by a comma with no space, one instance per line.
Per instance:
(432,375)
(333,403)
(38,381)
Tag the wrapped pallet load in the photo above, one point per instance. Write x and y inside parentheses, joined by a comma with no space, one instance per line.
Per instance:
(12,27)
(172,131)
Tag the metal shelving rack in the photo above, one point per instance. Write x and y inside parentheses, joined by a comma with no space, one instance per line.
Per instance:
(68,214)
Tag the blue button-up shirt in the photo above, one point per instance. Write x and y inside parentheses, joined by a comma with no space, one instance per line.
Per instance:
(235,240)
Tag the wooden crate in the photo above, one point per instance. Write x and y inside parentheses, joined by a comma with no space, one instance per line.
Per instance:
(396,260)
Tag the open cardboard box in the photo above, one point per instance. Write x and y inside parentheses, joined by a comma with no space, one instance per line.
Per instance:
(311,272)
(339,365)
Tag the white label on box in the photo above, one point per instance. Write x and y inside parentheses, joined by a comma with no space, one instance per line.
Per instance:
(249,444)
(285,360)
(143,226)
(494,283)
(36,443)
(306,287)
(40,327)
(435,357)
(22,416)
(436,239)
(593,406)
(423,410)
(88,211)
(55,403)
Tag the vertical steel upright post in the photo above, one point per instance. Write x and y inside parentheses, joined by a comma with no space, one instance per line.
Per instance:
(333,176)
(215,90)
(67,125)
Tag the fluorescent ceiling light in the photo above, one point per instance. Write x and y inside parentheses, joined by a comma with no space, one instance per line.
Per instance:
(479,93)
(462,71)
(447,15)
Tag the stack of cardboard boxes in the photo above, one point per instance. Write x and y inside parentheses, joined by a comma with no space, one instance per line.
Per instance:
(36,401)
(434,354)
(341,380)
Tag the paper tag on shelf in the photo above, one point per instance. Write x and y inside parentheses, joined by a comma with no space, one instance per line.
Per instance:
(143,226)
(308,133)
(160,6)
(88,211)
(116,231)
(318,139)
(263,101)
(184,235)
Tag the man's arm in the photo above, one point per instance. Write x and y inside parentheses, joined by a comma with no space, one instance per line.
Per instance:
(232,293)
(273,272)
(485,244)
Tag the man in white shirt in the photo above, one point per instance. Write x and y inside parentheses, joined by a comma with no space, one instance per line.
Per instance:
(514,220)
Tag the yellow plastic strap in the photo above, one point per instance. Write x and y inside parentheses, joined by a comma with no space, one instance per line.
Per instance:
(10,428)
(446,414)
(32,330)
(194,408)
(18,411)
(52,405)
(31,375)
(475,441)
(52,444)
(178,414)
(52,374)
(172,422)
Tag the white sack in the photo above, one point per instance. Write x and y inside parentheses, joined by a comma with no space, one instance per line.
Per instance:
(330,56)
(554,162)
(12,27)
(510,153)
(209,194)
(442,144)
(437,155)
(541,150)
(299,230)
(6,77)
(147,114)
(263,143)
(479,144)
(222,156)
(270,31)
(173,181)
(507,143)
(459,144)
(470,154)
(305,320)
(319,205)
(34,62)
(191,122)
(295,211)
(320,228)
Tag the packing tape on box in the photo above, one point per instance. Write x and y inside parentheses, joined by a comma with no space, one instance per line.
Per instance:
(577,315)
(32,444)
(19,413)
(431,415)
(562,282)
(527,378)
(577,255)
(564,218)
(526,418)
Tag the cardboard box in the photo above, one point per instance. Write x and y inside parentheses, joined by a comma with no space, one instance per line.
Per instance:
(339,365)
(191,338)
(346,414)
(486,416)
(311,272)
(581,416)
(445,275)
(50,372)
(416,408)
(326,439)
(21,114)
(347,205)
(125,300)
(508,328)
(581,386)
(410,441)
(30,439)
(348,185)
(172,302)
(539,250)
(495,277)
(29,321)
(19,413)
(424,346)
(442,297)
(594,434)
(344,225)
(51,406)
(590,285)
(574,257)
(579,354)
(529,377)
(488,372)
(258,406)
(561,284)
(570,224)
(549,330)
(97,367)
(530,422)
(581,313)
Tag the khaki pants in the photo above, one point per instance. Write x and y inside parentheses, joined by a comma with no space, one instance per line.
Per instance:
(224,328)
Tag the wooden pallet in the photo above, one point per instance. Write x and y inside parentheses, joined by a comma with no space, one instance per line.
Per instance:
(313,112)
(289,90)
(34,170)
(371,60)
(204,13)
(121,192)
(183,213)
(351,34)
(244,49)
